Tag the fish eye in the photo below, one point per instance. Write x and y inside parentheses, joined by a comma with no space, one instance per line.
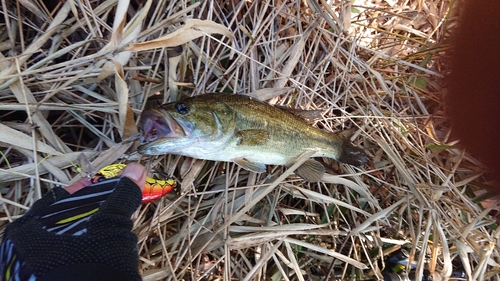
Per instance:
(182,108)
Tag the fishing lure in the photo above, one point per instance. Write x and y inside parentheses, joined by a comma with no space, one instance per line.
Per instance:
(153,190)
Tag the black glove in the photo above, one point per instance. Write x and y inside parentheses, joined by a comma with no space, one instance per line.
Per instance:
(83,236)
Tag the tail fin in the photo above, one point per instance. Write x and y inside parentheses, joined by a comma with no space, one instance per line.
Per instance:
(352,155)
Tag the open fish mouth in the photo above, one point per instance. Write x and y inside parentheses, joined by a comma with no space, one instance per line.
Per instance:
(156,126)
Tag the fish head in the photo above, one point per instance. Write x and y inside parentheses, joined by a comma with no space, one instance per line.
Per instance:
(179,125)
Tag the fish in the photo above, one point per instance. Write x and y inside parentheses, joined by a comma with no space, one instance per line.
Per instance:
(241,129)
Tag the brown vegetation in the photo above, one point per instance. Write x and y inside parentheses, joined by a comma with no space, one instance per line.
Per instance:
(73,78)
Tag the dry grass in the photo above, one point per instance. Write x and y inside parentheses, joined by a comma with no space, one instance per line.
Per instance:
(371,67)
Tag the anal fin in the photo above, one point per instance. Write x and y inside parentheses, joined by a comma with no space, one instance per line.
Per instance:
(311,171)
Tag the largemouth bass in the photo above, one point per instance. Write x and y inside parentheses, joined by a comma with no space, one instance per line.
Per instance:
(238,128)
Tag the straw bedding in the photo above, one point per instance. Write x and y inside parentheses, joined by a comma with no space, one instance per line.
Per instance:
(76,74)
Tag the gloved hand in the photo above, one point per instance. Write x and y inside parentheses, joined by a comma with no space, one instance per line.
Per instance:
(81,236)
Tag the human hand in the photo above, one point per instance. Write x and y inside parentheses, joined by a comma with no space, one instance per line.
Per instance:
(82,232)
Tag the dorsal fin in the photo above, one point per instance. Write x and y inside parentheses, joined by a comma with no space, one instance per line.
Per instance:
(309,116)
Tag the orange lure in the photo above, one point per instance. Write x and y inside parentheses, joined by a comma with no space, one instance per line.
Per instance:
(153,190)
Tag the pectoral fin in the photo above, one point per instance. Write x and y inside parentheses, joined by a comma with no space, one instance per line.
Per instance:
(252,137)
(250,166)
(311,171)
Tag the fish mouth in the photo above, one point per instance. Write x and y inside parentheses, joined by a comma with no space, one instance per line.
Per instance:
(157,126)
